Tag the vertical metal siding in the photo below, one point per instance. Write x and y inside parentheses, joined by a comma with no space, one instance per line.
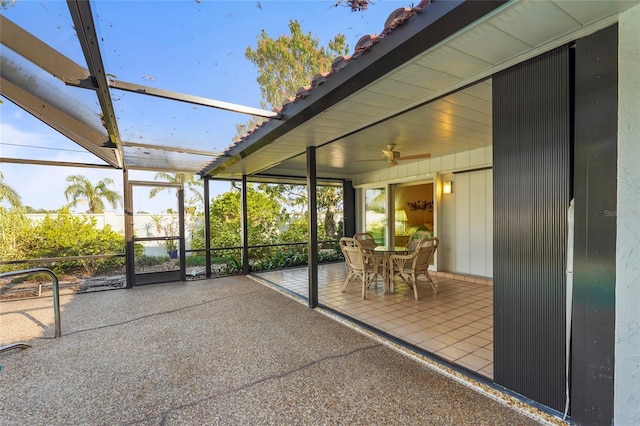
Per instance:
(532,173)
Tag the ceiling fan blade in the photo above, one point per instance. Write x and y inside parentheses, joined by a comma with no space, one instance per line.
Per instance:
(414,157)
(393,163)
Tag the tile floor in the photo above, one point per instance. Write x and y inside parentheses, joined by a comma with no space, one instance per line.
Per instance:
(456,324)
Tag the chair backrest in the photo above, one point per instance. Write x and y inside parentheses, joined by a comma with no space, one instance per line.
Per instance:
(366,240)
(353,254)
(416,238)
(424,253)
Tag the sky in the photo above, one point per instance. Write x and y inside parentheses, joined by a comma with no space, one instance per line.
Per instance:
(194,47)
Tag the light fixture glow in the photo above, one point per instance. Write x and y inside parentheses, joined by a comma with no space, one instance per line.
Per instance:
(401,216)
(447,187)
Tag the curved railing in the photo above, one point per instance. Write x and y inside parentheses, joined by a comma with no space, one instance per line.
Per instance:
(56,301)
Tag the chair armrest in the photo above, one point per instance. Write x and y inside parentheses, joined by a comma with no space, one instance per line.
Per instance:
(402,256)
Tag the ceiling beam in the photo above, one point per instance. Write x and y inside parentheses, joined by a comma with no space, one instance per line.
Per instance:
(41,54)
(197,100)
(54,163)
(170,149)
(76,130)
(88,38)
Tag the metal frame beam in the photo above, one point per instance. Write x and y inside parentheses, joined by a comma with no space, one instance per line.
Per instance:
(79,132)
(197,100)
(41,54)
(54,163)
(85,28)
(312,196)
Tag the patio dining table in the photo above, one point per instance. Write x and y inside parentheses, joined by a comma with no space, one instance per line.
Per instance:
(384,252)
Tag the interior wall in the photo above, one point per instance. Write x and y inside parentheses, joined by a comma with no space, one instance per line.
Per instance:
(465,224)
(412,199)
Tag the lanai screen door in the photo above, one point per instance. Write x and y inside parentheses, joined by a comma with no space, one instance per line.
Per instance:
(158,232)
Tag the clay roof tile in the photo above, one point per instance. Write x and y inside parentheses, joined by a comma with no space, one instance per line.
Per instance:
(339,63)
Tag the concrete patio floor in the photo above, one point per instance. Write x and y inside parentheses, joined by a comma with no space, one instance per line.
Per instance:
(223,351)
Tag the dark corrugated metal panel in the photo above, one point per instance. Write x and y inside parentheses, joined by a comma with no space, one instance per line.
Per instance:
(595,227)
(532,173)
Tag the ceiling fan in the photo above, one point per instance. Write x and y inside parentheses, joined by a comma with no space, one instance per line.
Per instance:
(392,157)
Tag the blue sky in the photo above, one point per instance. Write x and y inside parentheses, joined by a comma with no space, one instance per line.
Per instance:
(189,46)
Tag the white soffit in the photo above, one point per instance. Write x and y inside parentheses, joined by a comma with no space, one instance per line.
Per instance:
(516,32)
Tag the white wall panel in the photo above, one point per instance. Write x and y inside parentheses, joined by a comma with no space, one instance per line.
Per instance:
(465,224)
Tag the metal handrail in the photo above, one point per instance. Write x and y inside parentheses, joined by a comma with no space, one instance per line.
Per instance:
(61,259)
(54,286)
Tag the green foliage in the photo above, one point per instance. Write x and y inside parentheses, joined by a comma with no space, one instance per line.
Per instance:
(281,259)
(138,249)
(291,61)
(67,235)
(288,63)
(328,200)
(15,230)
(298,230)
(144,260)
(9,194)
(272,219)
(264,218)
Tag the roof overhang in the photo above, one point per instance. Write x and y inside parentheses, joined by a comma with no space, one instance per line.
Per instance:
(424,87)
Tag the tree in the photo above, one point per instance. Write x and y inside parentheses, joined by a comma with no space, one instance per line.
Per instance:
(288,63)
(8,193)
(329,200)
(81,189)
(189,182)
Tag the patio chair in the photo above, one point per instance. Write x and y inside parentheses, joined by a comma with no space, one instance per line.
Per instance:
(410,266)
(360,264)
(366,240)
(416,238)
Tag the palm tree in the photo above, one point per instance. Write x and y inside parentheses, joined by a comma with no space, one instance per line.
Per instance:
(8,193)
(189,181)
(81,189)
(157,219)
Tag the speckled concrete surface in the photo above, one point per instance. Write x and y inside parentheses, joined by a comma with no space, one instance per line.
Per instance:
(226,351)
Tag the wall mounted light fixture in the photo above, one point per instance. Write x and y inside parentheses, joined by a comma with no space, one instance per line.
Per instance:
(447,187)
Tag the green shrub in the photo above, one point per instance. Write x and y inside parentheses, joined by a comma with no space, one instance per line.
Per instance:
(66,235)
